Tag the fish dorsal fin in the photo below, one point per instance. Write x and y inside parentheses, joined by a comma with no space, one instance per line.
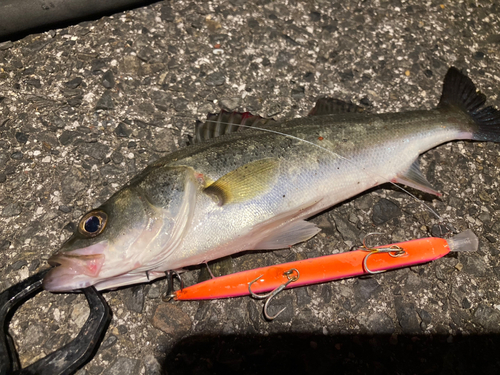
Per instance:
(218,124)
(330,106)
(414,178)
(245,182)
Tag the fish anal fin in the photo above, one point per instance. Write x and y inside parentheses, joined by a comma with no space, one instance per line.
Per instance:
(245,182)
(330,106)
(288,234)
(414,178)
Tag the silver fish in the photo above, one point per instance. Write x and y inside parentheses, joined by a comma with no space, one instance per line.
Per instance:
(253,189)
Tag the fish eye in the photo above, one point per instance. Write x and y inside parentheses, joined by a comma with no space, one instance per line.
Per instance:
(93,223)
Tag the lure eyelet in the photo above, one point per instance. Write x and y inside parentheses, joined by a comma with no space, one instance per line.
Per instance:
(93,223)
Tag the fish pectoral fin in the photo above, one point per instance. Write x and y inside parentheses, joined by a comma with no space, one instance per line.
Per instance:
(331,106)
(288,234)
(245,182)
(414,178)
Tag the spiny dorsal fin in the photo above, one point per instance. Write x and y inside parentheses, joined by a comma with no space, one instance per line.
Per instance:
(330,106)
(245,182)
(218,124)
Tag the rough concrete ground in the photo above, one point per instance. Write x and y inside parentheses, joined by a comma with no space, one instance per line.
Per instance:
(85,108)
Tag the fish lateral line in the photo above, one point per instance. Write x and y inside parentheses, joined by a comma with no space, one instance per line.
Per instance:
(362,169)
(459,97)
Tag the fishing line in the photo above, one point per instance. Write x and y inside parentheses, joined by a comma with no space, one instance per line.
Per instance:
(371,174)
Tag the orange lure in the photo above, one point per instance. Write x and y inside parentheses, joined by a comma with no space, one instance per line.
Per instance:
(329,267)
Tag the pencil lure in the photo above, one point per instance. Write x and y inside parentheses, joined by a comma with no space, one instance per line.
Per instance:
(330,267)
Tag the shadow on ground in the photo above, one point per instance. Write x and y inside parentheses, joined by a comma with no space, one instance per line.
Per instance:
(320,354)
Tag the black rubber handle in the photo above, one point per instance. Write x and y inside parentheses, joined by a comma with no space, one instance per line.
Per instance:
(69,358)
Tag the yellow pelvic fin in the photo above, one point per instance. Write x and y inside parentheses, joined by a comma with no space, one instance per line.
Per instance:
(244,183)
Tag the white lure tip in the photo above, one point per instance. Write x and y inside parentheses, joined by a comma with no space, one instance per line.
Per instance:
(465,241)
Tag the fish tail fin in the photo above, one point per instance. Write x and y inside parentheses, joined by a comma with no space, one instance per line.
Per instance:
(459,91)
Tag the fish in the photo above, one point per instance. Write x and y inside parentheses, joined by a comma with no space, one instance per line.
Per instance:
(232,190)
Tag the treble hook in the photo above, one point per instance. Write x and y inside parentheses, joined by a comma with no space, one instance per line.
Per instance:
(291,278)
(169,294)
(394,251)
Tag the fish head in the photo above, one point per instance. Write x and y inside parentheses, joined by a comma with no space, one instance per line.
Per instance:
(102,237)
(130,233)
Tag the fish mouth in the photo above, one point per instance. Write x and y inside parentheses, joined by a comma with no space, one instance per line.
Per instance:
(72,272)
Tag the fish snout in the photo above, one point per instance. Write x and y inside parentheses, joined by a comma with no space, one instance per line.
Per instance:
(72,272)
